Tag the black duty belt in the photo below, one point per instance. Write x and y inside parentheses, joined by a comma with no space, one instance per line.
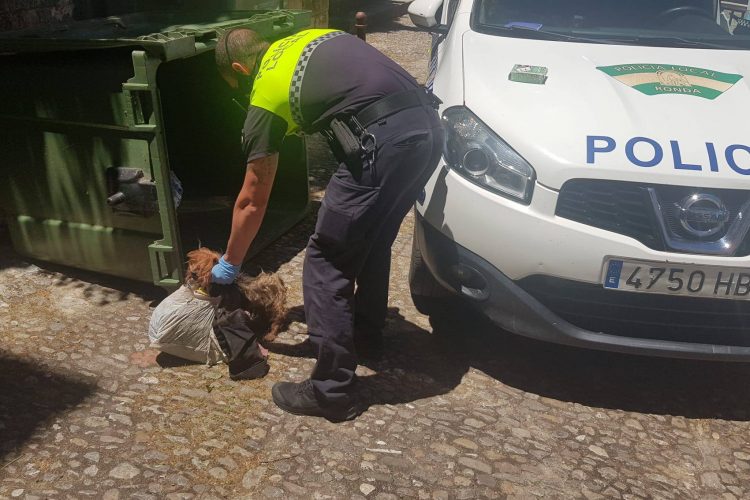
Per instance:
(348,137)
(392,104)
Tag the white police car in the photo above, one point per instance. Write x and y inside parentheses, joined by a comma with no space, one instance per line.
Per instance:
(595,189)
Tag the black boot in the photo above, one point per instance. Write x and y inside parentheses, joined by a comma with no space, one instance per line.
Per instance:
(300,399)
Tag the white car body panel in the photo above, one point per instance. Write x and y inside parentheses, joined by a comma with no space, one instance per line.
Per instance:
(548,125)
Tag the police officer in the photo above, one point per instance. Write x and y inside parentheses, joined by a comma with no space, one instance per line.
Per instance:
(384,129)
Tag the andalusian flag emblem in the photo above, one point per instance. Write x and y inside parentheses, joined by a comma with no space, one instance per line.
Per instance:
(653,79)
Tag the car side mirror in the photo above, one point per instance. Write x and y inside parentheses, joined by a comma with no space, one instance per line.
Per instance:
(426,14)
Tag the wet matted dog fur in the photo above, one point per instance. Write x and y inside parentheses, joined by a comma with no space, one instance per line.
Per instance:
(263,296)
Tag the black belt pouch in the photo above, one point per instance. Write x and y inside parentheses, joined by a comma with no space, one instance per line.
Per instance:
(346,145)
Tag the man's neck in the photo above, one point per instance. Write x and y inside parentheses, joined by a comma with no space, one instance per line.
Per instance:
(258,60)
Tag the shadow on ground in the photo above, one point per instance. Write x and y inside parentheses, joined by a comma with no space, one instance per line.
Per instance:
(391,26)
(30,397)
(165,360)
(102,289)
(284,249)
(420,364)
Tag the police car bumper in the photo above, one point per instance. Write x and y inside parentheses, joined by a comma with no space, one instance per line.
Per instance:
(541,276)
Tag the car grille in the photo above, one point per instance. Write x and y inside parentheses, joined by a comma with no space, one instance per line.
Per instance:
(626,208)
(620,207)
(648,316)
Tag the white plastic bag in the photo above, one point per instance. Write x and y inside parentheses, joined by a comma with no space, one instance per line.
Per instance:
(182,326)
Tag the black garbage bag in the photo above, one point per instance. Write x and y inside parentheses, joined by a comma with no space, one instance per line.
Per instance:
(240,344)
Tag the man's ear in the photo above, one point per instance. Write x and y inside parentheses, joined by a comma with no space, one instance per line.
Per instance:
(240,68)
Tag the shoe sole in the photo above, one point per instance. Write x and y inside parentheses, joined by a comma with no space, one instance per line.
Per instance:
(352,413)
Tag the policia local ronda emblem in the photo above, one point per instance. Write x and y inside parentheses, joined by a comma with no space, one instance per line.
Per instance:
(653,79)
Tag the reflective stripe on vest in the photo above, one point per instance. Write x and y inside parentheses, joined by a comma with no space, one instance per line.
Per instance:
(277,85)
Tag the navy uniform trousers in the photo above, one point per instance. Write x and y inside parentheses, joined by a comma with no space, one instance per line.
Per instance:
(357,224)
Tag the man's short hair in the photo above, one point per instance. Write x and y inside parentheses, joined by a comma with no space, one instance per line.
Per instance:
(237,45)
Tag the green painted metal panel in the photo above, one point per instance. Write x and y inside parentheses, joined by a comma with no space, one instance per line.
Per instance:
(86,107)
(105,249)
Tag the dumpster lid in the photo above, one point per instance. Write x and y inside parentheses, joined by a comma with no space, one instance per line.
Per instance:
(170,35)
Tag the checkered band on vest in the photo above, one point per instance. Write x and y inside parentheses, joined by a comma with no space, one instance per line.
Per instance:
(295,89)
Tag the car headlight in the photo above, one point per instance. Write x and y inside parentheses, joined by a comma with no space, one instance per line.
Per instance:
(479,155)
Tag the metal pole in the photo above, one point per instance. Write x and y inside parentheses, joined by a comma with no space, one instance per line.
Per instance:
(360,23)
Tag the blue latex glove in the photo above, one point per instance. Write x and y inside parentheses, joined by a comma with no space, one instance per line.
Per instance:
(224,273)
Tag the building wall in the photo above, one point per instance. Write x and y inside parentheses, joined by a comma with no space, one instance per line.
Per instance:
(18,14)
(319,10)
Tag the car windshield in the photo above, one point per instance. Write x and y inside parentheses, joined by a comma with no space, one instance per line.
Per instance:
(670,23)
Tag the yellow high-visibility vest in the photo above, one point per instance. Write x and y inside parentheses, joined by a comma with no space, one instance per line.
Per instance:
(277,85)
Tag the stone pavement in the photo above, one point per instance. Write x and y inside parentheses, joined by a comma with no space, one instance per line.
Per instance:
(457,409)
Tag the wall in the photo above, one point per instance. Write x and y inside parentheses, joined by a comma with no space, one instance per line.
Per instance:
(18,14)
(319,10)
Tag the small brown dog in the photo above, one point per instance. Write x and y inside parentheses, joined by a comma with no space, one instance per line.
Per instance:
(263,296)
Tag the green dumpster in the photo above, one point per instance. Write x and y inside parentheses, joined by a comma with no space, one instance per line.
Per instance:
(120,143)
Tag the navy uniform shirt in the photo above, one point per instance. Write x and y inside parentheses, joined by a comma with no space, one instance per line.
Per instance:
(343,76)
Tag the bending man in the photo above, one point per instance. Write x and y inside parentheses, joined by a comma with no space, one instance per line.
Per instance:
(386,133)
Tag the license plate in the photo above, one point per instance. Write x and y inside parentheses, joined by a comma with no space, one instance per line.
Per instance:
(675,279)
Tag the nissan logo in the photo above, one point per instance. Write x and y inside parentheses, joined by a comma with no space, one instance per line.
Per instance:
(703,215)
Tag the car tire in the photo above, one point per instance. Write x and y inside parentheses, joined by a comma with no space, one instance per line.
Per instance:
(428,295)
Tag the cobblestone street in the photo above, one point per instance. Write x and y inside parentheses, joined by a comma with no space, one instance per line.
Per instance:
(456,409)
